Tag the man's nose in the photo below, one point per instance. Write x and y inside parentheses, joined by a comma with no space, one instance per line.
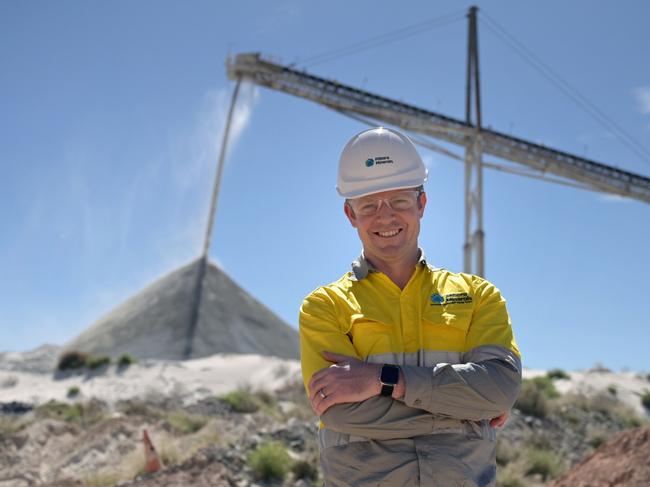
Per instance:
(384,209)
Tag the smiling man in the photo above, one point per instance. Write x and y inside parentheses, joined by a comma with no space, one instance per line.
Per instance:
(410,368)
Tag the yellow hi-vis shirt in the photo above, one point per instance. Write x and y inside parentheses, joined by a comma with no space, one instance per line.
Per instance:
(452,337)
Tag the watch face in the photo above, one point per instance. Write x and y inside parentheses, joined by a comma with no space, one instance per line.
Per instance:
(389,374)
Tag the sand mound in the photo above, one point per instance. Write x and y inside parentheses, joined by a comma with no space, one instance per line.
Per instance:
(157,322)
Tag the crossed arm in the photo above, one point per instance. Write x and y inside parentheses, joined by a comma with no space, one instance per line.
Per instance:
(351,403)
(484,386)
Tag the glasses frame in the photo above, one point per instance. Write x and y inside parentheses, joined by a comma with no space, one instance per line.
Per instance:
(417,191)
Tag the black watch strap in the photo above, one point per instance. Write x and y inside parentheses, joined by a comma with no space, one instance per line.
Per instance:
(388,377)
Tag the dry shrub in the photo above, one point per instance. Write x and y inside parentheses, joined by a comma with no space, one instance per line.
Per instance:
(270,462)
(542,462)
(72,360)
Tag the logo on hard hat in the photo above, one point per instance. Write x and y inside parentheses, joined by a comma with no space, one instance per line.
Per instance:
(378,160)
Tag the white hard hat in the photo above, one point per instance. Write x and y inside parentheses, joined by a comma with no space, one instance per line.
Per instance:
(377,160)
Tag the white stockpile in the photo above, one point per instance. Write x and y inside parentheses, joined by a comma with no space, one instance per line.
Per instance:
(156,380)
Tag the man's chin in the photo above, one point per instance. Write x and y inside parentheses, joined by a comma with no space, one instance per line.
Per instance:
(390,252)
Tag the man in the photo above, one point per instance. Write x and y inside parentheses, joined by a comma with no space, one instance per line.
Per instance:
(405,364)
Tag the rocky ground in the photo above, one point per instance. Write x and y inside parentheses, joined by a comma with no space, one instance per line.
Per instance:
(622,461)
(249,436)
(207,443)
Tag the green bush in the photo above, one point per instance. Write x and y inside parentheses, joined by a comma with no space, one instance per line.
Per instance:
(596,440)
(86,414)
(510,477)
(543,462)
(540,440)
(125,360)
(546,386)
(185,422)
(266,398)
(67,412)
(93,362)
(73,391)
(139,408)
(72,360)
(506,452)
(532,400)
(605,404)
(302,469)
(612,390)
(269,462)
(557,374)
(242,401)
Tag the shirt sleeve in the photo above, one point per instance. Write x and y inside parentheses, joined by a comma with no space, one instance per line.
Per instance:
(487,381)
(378,417)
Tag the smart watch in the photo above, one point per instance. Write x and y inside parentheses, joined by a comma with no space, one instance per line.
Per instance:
(388,377)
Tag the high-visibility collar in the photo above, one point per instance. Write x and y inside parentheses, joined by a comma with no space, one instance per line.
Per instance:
(362,266)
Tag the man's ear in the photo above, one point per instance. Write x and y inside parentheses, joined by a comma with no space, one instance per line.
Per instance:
(349,212)
(422,202)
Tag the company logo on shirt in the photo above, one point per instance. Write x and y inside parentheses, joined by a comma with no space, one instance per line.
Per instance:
(452,298)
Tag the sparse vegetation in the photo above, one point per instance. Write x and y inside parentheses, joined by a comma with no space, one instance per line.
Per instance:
(269,462)
(73,391)
(125,360)
(596,440)
(510,476)
(245,401)
(94,363)
(8,426)
(612,390)
(72,360)
(607,405)
(545,384)
(557,374)
(85,414)
(295,393)
(139,408)
(131,465)
(76,360)
(184,422)
(543,462)
(506,453)
(599,368)
(169,453)
(303,469)
(102,479)
(534,396)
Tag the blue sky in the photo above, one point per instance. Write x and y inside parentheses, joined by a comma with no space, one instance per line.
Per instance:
(111,121)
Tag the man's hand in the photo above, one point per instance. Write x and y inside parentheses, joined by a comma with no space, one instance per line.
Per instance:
(500,420)
(347,380)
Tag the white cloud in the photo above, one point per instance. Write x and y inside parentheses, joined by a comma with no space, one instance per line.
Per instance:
(193,162)
(642,95)
(614,198)
(195,152)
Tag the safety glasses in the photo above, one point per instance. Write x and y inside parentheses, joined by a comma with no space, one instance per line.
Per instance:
(370,205)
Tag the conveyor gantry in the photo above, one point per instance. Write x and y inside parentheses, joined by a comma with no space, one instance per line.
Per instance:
(343,98)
